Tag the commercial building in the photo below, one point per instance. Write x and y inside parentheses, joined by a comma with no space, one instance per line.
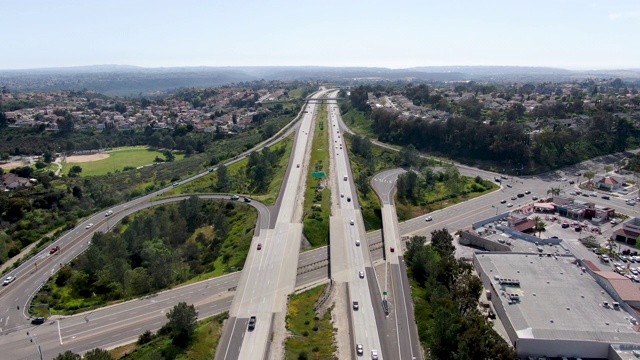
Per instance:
(629,231)
(551,305)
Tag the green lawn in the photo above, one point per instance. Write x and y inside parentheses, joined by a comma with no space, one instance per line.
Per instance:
(317,204)
(310,334)
(118,160)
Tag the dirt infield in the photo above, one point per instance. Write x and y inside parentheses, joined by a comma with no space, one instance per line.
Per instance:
(11,165)
(86,158)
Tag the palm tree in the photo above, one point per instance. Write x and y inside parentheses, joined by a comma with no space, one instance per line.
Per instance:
(540,225)
(554,191)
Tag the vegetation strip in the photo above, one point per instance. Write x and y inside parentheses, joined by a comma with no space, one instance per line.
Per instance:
(317,204)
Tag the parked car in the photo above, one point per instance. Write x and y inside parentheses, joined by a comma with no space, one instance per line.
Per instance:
(509,205)
(503,201)
(534,198)
(514,198)
(606,197)
(520,195)
(527,192)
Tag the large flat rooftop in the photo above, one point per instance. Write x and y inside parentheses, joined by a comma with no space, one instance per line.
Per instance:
(557,300)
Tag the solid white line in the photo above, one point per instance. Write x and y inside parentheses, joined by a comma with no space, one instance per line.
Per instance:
(59,334)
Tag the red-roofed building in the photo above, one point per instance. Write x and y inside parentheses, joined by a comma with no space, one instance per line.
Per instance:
(609,183)
(624,288)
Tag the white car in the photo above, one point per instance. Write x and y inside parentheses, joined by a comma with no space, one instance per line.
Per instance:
(428,218)
(108,213)
(563,179)
(509,205)
(8,280)
(89,226)
(374,354)
(361,274)
(357,242)
(352,222)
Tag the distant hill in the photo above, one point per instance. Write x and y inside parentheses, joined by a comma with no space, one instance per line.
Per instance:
(126,80)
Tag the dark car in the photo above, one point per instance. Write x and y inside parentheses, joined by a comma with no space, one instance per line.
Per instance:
(247,200)
(564,226)
(578,229)
(520,195)
(606,197)
(37,321)
(252,323)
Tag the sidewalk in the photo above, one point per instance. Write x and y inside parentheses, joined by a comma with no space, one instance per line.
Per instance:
(11,261)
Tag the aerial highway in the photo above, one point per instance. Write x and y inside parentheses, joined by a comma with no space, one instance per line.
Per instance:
(269,274)
(351,260)
(114,325)
(403,342)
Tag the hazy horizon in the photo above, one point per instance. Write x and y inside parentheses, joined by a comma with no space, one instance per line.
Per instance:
(565,34)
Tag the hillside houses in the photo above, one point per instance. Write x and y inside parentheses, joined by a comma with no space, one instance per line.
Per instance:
(214,112)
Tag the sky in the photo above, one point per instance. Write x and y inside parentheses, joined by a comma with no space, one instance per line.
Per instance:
(569,34)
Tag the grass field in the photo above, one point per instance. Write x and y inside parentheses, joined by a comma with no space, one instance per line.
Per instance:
(317,204)
(118,160)
(310,334)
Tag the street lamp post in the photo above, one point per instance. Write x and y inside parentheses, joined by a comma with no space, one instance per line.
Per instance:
(35,341)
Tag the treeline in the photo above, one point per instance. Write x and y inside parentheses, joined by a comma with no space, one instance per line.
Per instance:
(508,143)
(412,186)
(446,294)
(474,134)
(155,250)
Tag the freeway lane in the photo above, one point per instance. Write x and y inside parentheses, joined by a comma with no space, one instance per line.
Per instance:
(269,274)
(348,257)
(400,341)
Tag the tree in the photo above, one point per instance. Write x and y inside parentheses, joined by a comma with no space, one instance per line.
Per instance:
(540,226)
(589,175)
(3,120)
(362,181)
(223,183)
(98,354)
(409,155)
(168,156)
(607,168)
(554,191)
(75,170)
(182,320)
(68,355)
